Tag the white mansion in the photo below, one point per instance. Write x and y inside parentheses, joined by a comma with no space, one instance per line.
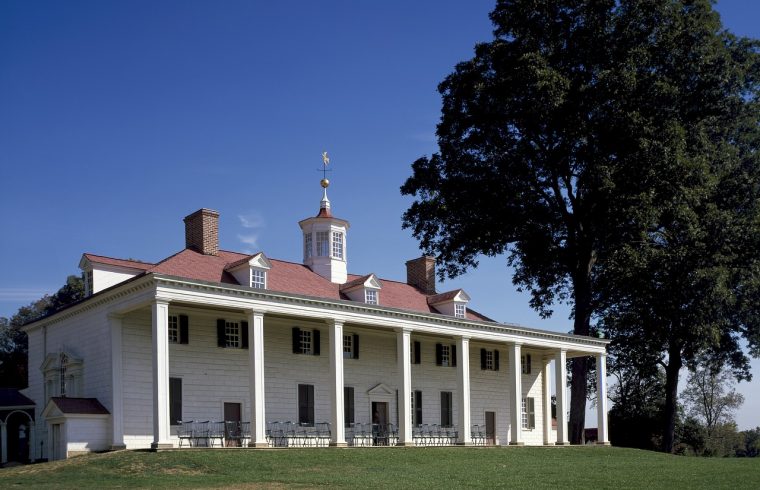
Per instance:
(273,346)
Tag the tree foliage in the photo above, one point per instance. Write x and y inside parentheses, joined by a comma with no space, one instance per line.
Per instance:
(584,127)
(709,396)
(14,343)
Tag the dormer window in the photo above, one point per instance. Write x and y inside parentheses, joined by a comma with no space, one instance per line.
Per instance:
(307,245)
(370,296)
(337,245)
(258,278)
(323,244)
(365,289)
(459,310)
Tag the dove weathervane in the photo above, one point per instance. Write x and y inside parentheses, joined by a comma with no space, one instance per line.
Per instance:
(325,161)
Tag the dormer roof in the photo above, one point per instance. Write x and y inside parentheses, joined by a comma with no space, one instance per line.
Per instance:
(258,260)
(369,281)
(455,295)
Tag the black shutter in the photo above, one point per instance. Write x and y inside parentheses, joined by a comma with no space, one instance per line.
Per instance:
(438,354)
(348,405)
(296,340)
(483,359)
(244,334)
(527,364)
(356,347)
(315,343)
(306,404)
(418,407)
(454,356)
(184,334)
(221,337)
(495,360)
(175,401)
(417,352)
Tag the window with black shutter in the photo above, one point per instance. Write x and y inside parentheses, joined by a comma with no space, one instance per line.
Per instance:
(175,400)
(305,341)
(244,334)
(184,329)
(417,352)
(306,404)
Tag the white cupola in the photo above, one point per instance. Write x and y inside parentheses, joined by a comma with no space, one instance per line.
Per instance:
(324,241)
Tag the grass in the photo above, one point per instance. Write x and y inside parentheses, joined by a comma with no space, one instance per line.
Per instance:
(535,468)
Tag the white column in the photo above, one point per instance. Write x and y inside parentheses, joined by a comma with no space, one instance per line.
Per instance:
(4,442)
(547,401)
(117,405)
(404,358)
(160,332)
(560,374)
(463,387)
(256,386)
(601,399)
(515,388)
(338,427)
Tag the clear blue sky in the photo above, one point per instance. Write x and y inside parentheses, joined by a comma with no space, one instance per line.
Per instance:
(117,119)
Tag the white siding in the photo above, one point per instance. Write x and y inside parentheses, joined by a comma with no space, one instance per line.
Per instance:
(87,434)
(103,277)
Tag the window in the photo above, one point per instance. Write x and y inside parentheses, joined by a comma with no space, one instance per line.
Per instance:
(525,361)
(446,414)
(175,401)
(62,375)
(306,404)
(88,283)
(416,352)
(351,346)
(305,341)
(232,334)
(62,372)
(445,355)
(370,296)
(489,360)
(459,310)
(416,407)
(306,245)
(173,329)
(528,413)
(258,278)
(337,245)
(323,244)
(348,405)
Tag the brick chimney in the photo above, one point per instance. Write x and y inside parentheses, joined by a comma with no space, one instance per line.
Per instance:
(202,231)
(420,273)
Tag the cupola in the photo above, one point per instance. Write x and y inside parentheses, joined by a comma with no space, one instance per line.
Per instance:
(324,239)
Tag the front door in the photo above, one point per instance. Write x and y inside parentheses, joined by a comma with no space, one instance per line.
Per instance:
(490,428)
(232,418)
(380,423)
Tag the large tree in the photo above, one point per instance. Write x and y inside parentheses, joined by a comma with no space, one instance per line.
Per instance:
(561,138)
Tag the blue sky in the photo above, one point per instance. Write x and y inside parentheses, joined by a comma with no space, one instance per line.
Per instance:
(117,119)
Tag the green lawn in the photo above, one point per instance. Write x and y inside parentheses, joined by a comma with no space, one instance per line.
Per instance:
(574,467)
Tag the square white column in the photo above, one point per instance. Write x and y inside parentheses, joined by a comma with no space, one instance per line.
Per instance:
(256,386)
(547,401)
(560,374)
(117,404)
(403,339)
(3,443)
(463,387)
(515,392)
(160,334)
(338,427)
(601,399)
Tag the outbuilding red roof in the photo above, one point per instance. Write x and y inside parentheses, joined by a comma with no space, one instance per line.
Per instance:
(90,406)
(132,264)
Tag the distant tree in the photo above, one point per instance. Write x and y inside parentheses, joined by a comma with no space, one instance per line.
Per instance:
(751,447)
(710,397)
(14,342)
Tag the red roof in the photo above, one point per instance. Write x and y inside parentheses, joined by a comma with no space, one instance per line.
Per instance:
(442,297)
(133,264)
(79,405)
(286,277)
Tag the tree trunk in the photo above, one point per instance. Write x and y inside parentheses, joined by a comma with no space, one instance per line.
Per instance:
(671,396)
(582,320)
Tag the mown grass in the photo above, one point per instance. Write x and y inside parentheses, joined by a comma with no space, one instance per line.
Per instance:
(574,467)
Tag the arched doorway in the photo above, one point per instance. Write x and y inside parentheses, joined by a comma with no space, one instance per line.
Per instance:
(19,427)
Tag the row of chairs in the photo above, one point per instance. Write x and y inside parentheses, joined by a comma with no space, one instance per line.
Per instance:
(229,433)
(434,435)
(365,434)
(293,434)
